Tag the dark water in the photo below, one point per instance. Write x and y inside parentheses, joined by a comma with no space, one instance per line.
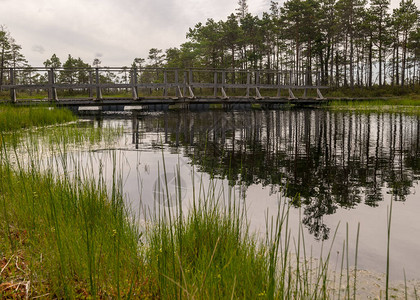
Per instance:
(333,167)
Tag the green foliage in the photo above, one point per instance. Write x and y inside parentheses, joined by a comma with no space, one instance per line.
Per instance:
(15,118)
(10,55)
(53,62)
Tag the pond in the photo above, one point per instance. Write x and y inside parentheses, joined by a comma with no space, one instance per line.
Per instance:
(336,169)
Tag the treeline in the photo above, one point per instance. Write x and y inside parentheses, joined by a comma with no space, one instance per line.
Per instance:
(348,42)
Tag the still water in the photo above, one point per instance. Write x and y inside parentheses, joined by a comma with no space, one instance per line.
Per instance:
(334,168)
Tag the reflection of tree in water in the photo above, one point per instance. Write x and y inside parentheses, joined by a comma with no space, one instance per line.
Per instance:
(330,159)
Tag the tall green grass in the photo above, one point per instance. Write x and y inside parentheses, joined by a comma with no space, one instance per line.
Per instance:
(14,118)
(71,234)
(206,254)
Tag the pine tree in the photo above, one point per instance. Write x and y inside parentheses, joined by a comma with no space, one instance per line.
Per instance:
(242,10)
(379,16)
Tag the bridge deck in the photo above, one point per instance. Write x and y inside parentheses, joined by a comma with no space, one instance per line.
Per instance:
(170,101)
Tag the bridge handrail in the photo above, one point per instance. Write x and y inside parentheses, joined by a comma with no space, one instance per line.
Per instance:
(184,81)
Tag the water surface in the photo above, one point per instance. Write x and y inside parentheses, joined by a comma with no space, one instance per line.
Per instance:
(332,167)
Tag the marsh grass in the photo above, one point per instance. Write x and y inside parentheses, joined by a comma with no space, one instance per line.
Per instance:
(71,233)
(409,105)
(208,253)
(373,92)
(14,118)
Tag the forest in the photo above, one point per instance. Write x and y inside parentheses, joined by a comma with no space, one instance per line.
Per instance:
(350,43)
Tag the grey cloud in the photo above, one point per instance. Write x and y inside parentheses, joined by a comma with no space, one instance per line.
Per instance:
(98,55)
(38,48)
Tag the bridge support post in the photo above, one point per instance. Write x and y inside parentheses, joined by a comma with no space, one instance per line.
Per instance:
(184,89)
(257,82)
(52,89)
(190,82)
(248,82)
(291,95)
(165,81)
(257,94)
(223,85)
(134,84)
(90,85)
(215,84)
(319,94)
(191,92)
(98,88)
(278,83)
(178,92)
(224,94)
(305,93)
(12,82)
(135,75)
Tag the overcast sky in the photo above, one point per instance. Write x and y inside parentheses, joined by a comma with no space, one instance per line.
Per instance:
(115,31)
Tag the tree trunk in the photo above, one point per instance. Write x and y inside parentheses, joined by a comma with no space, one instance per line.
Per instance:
(370,61)
(337,71)
(351,56)
(404,58)
(345,62)
(397,75)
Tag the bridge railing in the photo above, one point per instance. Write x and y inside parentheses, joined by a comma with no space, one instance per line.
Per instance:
(135,83)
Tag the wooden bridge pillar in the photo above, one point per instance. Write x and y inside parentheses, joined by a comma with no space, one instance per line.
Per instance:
(215,84)
(184,89)
(178,92)
(257,82)
(134,84)
(98,88)
(190,82)
(248,82)
(12,82)
(51,81)
(223,85)
(165,81)
(90,84)
(291,95)
(319,94)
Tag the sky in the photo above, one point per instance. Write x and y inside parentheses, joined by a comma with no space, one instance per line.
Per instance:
(115,31)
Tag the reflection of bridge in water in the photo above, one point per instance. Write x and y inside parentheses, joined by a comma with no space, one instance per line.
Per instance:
(159,86)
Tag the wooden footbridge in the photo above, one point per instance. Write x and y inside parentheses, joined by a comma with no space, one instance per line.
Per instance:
(158,86)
